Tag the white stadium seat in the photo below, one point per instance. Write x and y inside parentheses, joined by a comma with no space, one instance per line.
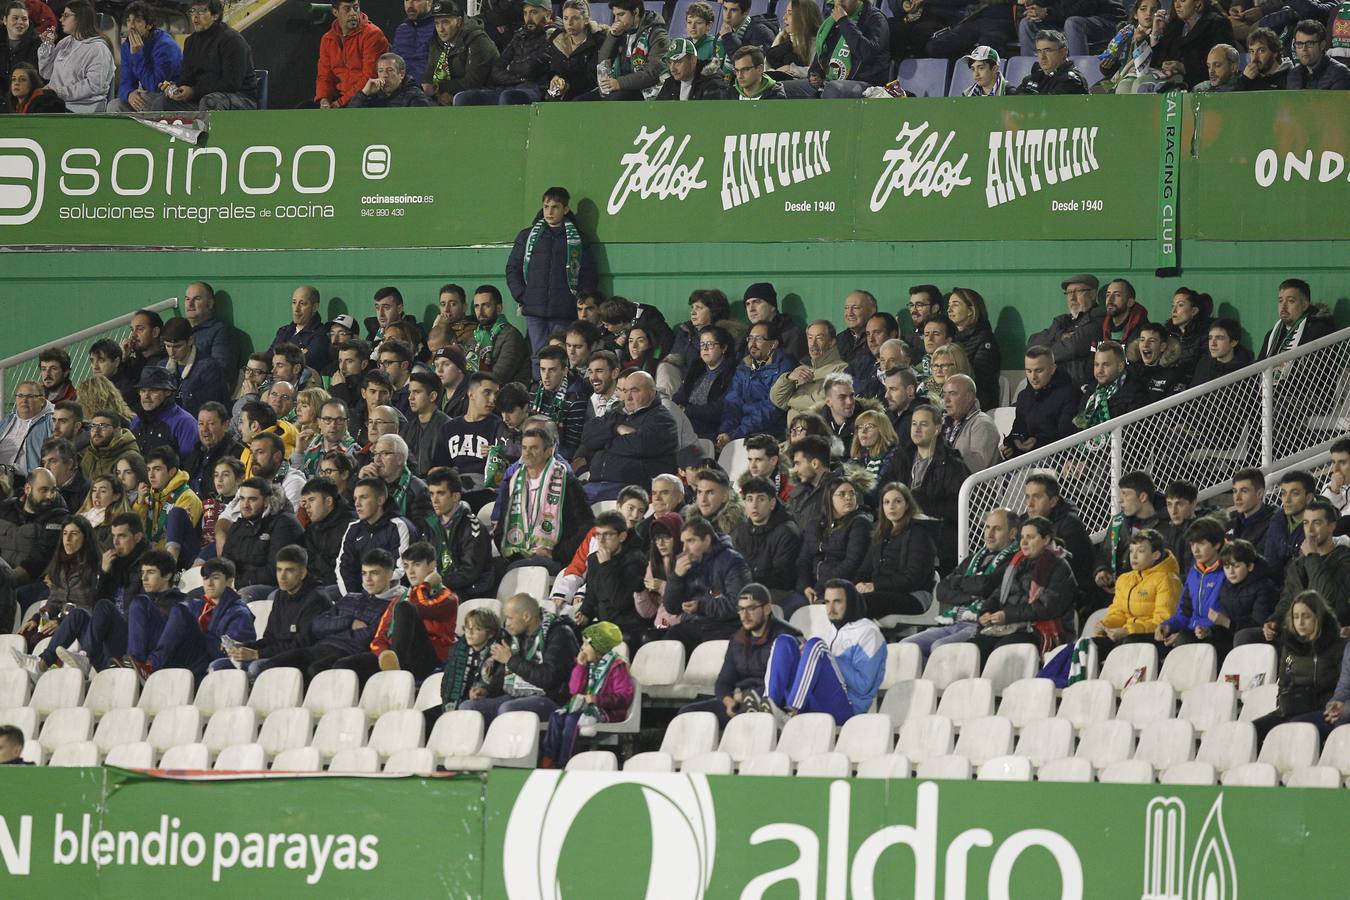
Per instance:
(66,726)
(229,726)
(532,580)
(1207,705)
(984,738)
(1257,774)
(1189,665)
(110,689)
(811,621)
(1129,663)
(1290,746)
(1149,701)
(1313,777)
(700,673)
(262,612)
(803,735)
(428,692)
(456,733)
(892,765)
(8,643)
(32,753)
(593,761)
(241,758)
(690,733)
(398,729)
(1009,663)
(1193,772)
(947,768)
(654,761)
(221,690)
(1027,700)
(164,689)
(748,734)
(824,765)
(359,760)
(387,691)
(772,763)
(186,757)
(1070,768)
(715,762)
(1227,745)
(57,688)
(1258,701)
(176,725)
(904,662)
(925,737)
(139,755)
(1336,750)
(1251,666)
(285,729)
(1005,768)
(966,699)
(512,741)
(331,689)
(25,718)
(279,688)
(15,688)
(410,760)
(299,759)
(908,700)
(1165,743)
(1127,771)
(659,663)
(120,726)
(1086,702)
(339,729)
(952,662)
(1103,743)
(1044,740)
(75,753)
(864,737)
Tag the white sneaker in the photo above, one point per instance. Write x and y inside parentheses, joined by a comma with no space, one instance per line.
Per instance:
(29,662)
(73,660)
(779,716)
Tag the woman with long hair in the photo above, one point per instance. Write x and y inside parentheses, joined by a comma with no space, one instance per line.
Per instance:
(975,335)
(639,351)
(1310,650)
(71,578)
(661,554)
(808,423)
(78,69)
(874,442)
(707,380)
(1035,602)
(795,46)
(26,94)
(98,394)
(896,577)
(134,477)
(834,545)
(1189,31)
(106,500)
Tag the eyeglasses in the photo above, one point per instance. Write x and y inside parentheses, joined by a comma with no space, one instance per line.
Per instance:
(797,429)
(756,339)
(742,610)
(332,420)
(1306,45)
(27,396)
(252,371)
(708,345)
(866,427)
(97,427)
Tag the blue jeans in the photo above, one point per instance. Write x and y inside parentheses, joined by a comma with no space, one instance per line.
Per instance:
(806,679)
(930,639)
(540,327)
(491,707)
(101,631)
(1080,33)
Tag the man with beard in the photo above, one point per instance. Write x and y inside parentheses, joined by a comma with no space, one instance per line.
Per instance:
(333,437)
(30,527)
(1072,335)
(217,70)
(142,347)
(328,514)
(498,347)
(1045,407)
(748,409)
(214,443)
(109,441)
(162,421)
(901,386)
(520,74)
(1124,315)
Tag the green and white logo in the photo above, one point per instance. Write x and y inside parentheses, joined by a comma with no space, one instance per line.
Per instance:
(23,166)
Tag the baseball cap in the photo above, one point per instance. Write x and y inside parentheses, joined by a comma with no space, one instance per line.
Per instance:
(344,321)
(1089,280)
(446,9)
(454,354)
(982,53)
(762,290)
(680,48)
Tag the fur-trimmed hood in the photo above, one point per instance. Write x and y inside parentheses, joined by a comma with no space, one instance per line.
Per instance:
(1170,356)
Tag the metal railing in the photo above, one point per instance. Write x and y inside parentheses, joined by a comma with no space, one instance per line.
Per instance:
(24,366)
(1273,414)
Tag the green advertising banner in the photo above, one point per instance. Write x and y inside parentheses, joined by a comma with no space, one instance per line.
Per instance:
(95,833)
(685,837)
(1272,165)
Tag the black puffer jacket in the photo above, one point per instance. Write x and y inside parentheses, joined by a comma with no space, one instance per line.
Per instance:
(252,545)
(902,563)
(1309,669)
(323,540)
(551,672)
(525,59)
(1054,599)
(1192,47)
(28,540)
(1046,414)
(985,361)
(936,494)
(578,67)
(838,553)
(770,550)
(288,622)
(610,587)
(463,551)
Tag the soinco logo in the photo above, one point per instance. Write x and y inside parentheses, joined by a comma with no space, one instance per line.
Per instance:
(23,167)
(679,808)
(752,164)
(1211,873)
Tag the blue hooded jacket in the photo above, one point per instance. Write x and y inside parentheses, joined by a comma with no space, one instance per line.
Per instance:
(159,60)
(1199,595)
(746,408)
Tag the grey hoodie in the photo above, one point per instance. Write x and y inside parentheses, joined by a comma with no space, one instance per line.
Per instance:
(80,72)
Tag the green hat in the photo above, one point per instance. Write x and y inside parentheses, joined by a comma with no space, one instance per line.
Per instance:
(680,48)
(603,636)
(542,4)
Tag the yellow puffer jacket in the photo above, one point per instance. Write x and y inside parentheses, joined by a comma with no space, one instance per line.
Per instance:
(1144,600)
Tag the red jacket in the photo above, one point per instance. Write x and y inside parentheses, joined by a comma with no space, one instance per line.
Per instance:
(438,613)
(346,63)
(1134,320)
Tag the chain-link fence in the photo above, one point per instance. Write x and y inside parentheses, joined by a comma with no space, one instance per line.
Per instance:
(1268,415)
(24,366)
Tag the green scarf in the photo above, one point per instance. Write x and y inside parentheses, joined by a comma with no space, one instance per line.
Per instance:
(399,492)
(721,58)
(160,504)
(573,251)
(514,684)
(1098,410)
(479,356)
(545,517)
(839,61)
(1113,541)
(315,452)
(1285,336)
(596,673)
(551,405)
(985,562)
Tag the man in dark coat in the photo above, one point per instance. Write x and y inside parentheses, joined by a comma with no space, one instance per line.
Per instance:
(635,443)
(1045,407)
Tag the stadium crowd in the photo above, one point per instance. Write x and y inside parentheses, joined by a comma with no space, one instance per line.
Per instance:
(348,474)
(524,51)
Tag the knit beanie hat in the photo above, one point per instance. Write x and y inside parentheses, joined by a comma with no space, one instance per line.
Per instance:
(603,636)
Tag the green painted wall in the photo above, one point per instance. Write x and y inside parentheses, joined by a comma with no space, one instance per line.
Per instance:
(48,295)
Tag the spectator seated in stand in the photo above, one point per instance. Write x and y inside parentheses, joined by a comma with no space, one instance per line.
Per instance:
(462,545)
(768,538)
(348,627)
(520,74)
(1054,72)
(1311,645)
(263,528)
(601,689)
(414,34)
(376,527)
(1223,354)
(798,681)
(348,56)
(1034,604)
(460,55)
(1251,516)
(615,573)
(78,68)
(172,510)
(701,586)
(1145,597)
(198,630)
(1045,407)
(544,531)
(1337,490)
(1299,322)
(966,428)
(630,445)
(162,422)
(934,474)
(1315,70)
(1138,511)
(217,71)
(633,53)
(1248,595)
(390,86)
(537,652)
(1153,364)
(297,600)
(897,573)
(1200,617)
(803,388)
(963,592)
(470,672)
